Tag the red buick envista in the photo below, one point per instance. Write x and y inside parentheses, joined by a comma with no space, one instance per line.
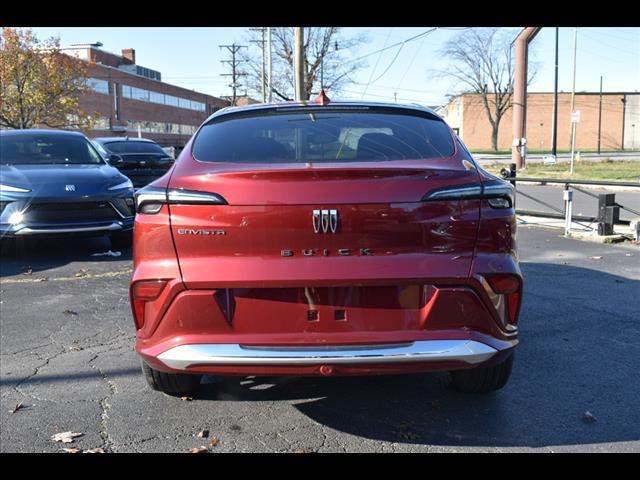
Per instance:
(325,238)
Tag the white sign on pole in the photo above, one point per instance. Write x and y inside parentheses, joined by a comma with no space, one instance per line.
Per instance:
(575,117)
(549,159)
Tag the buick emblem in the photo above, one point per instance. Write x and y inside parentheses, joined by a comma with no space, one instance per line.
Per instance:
(69,188)
(325,221)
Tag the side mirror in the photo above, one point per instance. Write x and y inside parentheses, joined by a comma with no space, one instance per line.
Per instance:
(115,160)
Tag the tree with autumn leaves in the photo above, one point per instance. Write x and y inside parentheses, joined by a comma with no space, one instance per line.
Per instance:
(39,85)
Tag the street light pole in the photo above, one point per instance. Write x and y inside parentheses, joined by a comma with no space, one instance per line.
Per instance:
(269,68)
(299,63)
(555,104)
(600,116)
(573,99)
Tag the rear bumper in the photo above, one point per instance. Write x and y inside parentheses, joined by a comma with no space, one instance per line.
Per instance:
(467,351)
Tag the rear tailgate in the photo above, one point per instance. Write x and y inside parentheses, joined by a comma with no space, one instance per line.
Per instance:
(266,237)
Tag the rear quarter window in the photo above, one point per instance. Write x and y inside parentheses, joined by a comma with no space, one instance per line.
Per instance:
(326,136)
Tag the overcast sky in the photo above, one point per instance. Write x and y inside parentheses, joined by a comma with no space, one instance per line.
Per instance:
(190,57)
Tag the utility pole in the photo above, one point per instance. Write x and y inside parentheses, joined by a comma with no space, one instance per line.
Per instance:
(270,69)
(600,115)
(262,42)
(234,49)
(573,99)
(555,105)
(298,64)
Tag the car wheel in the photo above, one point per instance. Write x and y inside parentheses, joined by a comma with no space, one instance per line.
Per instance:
(121,240)
(176,384)
(483,380)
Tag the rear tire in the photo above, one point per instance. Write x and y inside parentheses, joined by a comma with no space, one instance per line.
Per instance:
(121,240)
(176,384)
(483,380)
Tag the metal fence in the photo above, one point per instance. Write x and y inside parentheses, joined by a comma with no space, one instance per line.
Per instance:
(608,209)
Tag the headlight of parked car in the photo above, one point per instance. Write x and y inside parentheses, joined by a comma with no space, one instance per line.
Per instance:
(9,188)
(122,186)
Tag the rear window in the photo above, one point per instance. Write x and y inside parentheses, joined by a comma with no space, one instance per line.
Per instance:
(44,149)
(133,147)
(329,136)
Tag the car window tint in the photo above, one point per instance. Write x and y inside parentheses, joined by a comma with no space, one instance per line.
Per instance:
(46,149)
(133,147)
(335,136)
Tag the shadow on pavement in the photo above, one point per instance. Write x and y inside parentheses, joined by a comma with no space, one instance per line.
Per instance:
(40,254)
(578,353)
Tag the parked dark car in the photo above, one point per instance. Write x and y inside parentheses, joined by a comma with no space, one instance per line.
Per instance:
(140,159)
(56,183)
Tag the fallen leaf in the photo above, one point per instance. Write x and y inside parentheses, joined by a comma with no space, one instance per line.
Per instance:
(186,399)
(203,434)
(65,437)
(94,450)
(198,450)
(72,450)
(16,408)
(302,450)
(70,312)
(82,273)
(214,441)
(109,254)
(588,417)
(235,428)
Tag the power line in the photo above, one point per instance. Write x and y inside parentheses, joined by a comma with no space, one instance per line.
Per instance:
(415,55)
(377,61)
(401,44)
(411,39)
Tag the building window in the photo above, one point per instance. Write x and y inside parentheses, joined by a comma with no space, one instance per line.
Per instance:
(98,85)
(143,95)
(155,97)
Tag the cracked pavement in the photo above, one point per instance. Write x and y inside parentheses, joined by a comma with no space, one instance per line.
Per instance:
(66,353)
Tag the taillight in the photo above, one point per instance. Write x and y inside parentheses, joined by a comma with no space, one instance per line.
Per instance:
(506,295)
(142,292)
(499,194)
(149,200)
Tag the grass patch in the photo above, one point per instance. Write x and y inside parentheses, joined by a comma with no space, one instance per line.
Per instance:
(628,171)
(544,151)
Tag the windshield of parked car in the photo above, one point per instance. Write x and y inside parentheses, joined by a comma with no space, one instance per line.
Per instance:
(43,149)
(327,136)
(132,146)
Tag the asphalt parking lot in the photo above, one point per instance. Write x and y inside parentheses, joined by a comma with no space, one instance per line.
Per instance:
(67,357)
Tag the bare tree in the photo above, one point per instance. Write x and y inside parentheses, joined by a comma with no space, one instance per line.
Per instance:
(325,54)
(481,62)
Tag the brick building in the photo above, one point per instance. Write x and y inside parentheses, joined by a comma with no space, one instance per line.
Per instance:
(128,98)
(620,128)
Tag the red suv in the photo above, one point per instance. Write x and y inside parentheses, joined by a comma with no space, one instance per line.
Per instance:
(325,239)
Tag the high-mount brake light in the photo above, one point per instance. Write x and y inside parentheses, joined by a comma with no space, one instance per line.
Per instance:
(149,200)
